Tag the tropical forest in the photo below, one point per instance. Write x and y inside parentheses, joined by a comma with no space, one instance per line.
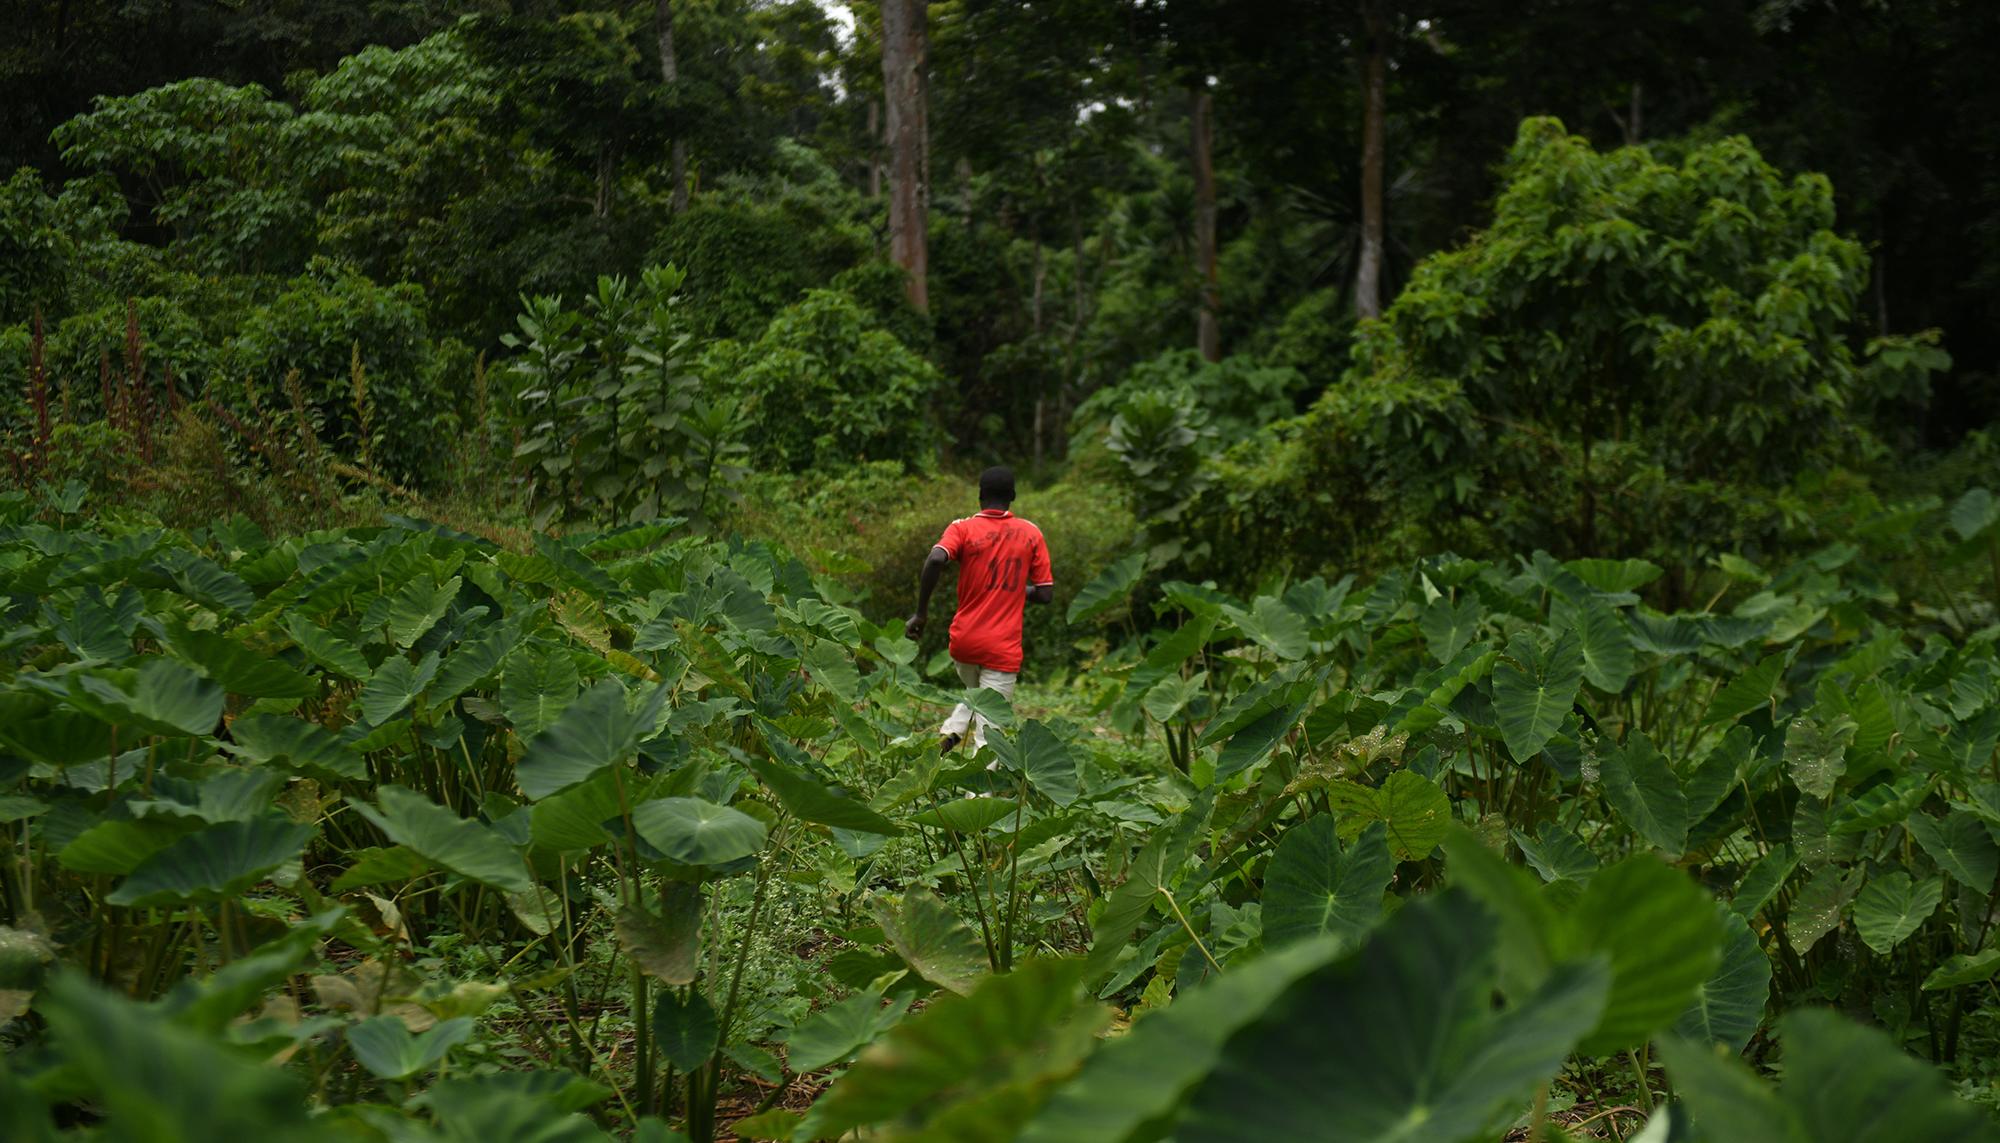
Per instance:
(1073,571)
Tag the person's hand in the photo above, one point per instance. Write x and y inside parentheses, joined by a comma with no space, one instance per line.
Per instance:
(913,628)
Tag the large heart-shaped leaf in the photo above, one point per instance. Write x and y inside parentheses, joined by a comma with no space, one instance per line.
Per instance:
(966,1067)
(417,606)
(1662,937)
(295,743)
(806,798)
(1893,906)
(468,848)
(932,940)
(1047,761)
(1533,690)
(161,697)
(213,863)
(1646,795)
(1730,1004)
(697,832)
(324,649)
(666,946)
(592,734)
(1961,845)
(1449,626)
(384,1045)
(1140,1077)
(1606,644)
(536,683)
(1313,887)
(1421,1055)
(394,686)
(1816,753)
(685,1028)
(240,670)
(838,1031)
(1108,590)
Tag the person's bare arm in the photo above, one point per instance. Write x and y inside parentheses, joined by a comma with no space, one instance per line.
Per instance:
(927,581)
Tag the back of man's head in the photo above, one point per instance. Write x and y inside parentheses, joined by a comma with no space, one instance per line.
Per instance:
(996,487)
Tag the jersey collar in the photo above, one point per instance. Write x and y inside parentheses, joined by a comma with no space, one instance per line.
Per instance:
(995,513)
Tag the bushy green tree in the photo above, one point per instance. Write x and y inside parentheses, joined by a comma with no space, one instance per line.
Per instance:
(1638,357)
(826,387)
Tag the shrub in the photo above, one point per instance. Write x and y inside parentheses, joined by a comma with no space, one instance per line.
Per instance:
(325,324)
(825,387)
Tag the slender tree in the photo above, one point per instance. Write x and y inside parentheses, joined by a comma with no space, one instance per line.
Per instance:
(1374,82)
(1208,330)
(904,51)
(663,22)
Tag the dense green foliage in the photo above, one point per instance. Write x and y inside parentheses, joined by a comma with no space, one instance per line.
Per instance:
(1519,480)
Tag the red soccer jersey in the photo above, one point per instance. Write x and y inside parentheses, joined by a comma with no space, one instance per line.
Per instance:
(999,557)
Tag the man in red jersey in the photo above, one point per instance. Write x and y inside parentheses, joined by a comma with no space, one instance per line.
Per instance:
(1003,565)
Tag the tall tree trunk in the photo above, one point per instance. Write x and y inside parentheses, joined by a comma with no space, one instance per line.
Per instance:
(874,149)
(1208,330)
(1374,80)
(905,96)
(663,23)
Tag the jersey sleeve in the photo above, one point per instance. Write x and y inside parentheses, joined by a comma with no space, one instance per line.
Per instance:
(953,540)
(1039,572)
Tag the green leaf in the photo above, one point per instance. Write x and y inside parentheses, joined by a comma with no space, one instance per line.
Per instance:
(1818,908)
(1729,1005)
(1047,761)
(536,683)
(325,650)
(1974,512)
(1965,968)
(932,940)
(418,605)
(119,845)
(279,739)
(1762,881)
(468,848)
(204,581)
(1893,906)
(382,865)
(1420,1054)
(685,1029)
(240,670)
(1615,576)
(1850,1084)
(1816,755)
(474,660)
(394,686)
(1646,795)
(1663,938)
(966,1067)
(837,1031)
(1606,644)
(696,832)
(666,947)
(1727,1099)
(807,799)
(385,1046)
(161,697)
(1416,812)
(967,815)
(212,863)
(1273,625)
(1144,1075)
(1557,854)
(1109,589)
(1961,845)
(1533,690)
(1748,691)
(1450,627)
(159,1080)
(597,731)
(1312,887)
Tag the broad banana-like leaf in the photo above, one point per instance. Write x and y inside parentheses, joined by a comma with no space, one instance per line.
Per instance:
(1894,905)
(1533,690)
(1729,1005)
(1646,795)
(932,939)
(213,863)
(597,731)
(685,1028)
(697,832)
(384,1044)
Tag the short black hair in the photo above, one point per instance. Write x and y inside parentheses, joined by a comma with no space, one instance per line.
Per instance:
(996,485)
